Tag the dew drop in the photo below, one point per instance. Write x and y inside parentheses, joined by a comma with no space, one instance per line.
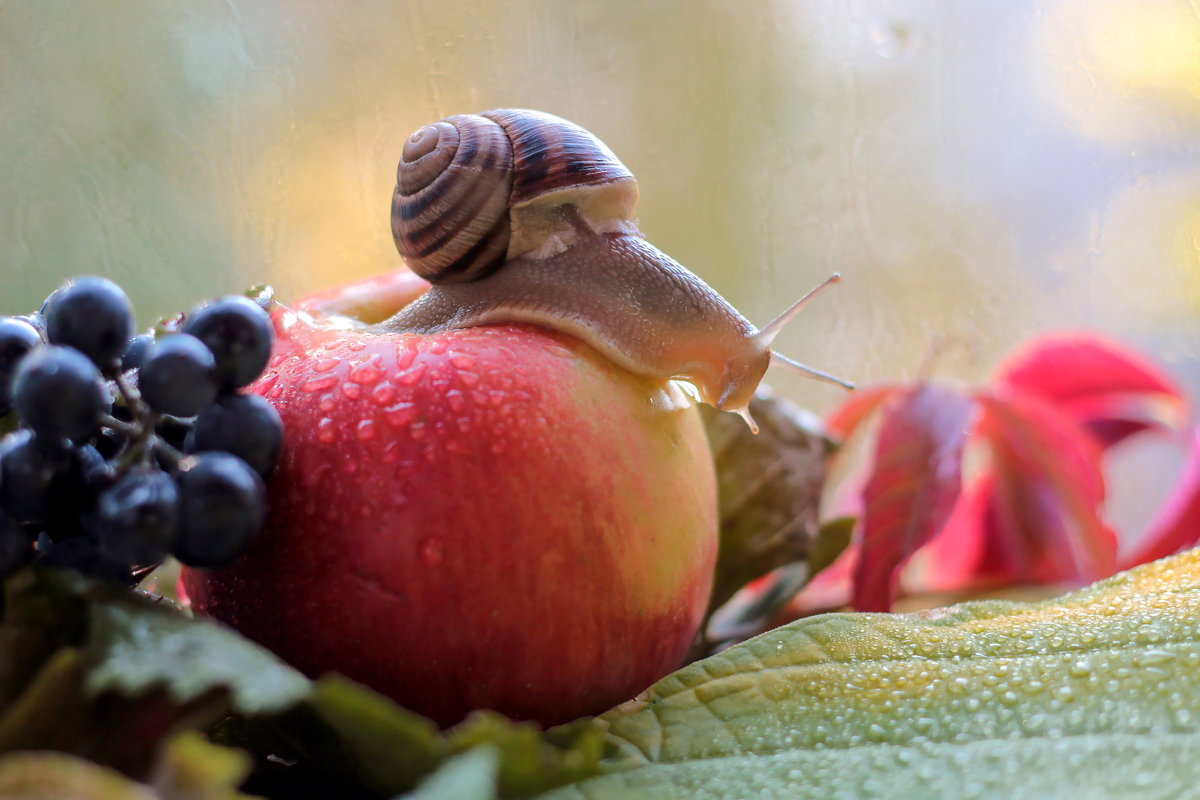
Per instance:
(276,391)
(456,401)
(1153,658)
(468,379)
(325,432)
(325,364)
(366,430)
(357,346)
(405,358)
(413,375)
(401,415)
(319,384)
(367,375)
(384,394)
(327,403)
(462,361)
(352,390)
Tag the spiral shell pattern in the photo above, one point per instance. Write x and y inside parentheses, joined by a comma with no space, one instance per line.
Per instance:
(450,208)
(458,178)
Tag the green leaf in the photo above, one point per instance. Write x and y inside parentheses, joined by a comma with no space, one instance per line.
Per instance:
(1095,694)
(833,538)
(189,769)
(349,732)
(136,643)
(192,768)
(52,776)
(97,670)
(470,776)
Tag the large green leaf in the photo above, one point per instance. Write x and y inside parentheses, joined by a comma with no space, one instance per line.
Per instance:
(101,672)
(1095,694)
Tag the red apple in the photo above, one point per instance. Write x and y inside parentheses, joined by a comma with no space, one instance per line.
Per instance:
(494,518)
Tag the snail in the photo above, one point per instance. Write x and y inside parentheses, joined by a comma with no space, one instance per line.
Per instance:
(521,216)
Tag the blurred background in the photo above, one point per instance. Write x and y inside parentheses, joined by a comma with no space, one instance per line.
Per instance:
(978,172)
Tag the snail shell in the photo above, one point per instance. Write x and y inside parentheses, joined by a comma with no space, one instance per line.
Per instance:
(521,216)
(474,191)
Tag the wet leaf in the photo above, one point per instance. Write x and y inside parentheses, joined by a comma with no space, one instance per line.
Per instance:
(349,733)
(1095,694)
(916,479)
(470,776)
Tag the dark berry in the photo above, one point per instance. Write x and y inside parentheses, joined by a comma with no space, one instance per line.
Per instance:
(92,315)
(34,474)
(16,547)
(58,393)
(178,376)
(245,425)
(72,493)
(17,337)
(239,334)
(222,506)
(135,517)
(135,351)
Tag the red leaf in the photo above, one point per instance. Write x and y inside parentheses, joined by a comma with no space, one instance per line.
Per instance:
(915,482)
(953,560)
(1112,390)
(1049,488)
(1177,526)
(845,419)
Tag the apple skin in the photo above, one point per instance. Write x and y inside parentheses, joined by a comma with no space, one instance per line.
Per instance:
(487,518)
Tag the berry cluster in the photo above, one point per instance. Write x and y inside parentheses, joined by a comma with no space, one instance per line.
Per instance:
(131,448)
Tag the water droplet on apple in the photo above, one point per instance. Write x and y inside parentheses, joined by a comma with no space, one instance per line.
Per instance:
(266,384)
(437,347)
(456,401)
(468,379)
(432,551)
(366,430)
(325,364)
(417,431)
(318,385)
(276,391)
(367,375)
(405,358)
(384,394)
(462,361)
(401,415)
(356,346)
(327,403)
(352,390)
(325,432)
(413,375)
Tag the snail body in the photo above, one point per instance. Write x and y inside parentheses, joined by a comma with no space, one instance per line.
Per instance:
(520,216)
